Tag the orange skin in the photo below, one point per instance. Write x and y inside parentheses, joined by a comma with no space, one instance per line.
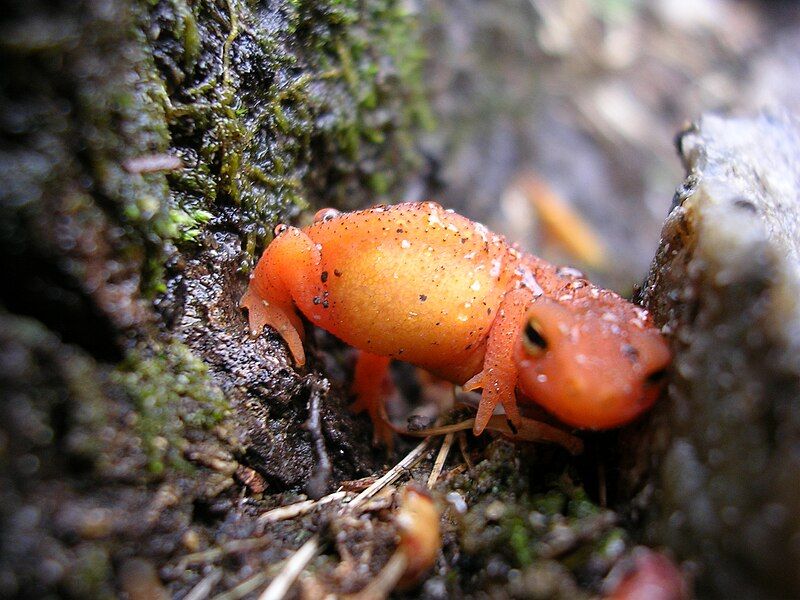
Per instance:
(424,285)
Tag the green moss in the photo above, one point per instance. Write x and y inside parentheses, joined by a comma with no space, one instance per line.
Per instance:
(550,503)
(611,544)
(530,520)
(520,539)
(271,108)
(90,573)
(318,100)
(171,392)
(191,37)
(580,506)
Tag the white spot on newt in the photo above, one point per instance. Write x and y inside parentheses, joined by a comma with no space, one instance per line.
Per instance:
(529,281)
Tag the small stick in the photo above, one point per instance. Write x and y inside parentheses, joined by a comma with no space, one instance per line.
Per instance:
(440,459)
(298,508)
(206,556)
(300,559)
(321,475)
(203,588)
(244,588)
(563,222)
(407,462)
(529,431)
(291,571)
(385,581)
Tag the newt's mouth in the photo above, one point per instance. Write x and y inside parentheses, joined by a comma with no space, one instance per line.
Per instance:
(592,402)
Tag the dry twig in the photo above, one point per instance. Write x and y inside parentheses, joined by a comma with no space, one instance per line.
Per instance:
(204,587)
(297,509)
(392,474)
(294,566)
(440,459)
(291,571)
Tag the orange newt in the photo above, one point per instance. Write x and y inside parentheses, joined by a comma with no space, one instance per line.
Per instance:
(419,283)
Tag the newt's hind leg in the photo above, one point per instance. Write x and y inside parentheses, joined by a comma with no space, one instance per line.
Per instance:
(288,271)
(370,384)
(499,375)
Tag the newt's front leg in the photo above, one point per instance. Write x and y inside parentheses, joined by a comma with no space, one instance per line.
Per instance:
(286,276)
(499,375)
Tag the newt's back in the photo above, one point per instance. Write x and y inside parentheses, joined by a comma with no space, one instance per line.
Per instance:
(414,282)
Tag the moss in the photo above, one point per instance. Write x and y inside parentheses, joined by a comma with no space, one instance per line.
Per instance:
(318,100)
(580,506)
(611,544)
(550,503)
(90,574)
(266,106)
(520,539)
(172,393)
(527,514)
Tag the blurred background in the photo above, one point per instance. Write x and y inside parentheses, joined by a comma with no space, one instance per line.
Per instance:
(579,102)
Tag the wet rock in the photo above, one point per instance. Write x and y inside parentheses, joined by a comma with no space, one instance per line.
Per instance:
(90,462)
(273,401)
(78,233)
(718,468)
(148,149)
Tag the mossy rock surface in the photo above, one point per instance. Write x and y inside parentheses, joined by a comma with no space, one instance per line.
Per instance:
(148,150)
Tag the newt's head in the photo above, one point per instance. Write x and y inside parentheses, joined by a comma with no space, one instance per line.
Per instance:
(594,362)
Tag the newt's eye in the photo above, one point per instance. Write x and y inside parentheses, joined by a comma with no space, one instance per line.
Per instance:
(533,339)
